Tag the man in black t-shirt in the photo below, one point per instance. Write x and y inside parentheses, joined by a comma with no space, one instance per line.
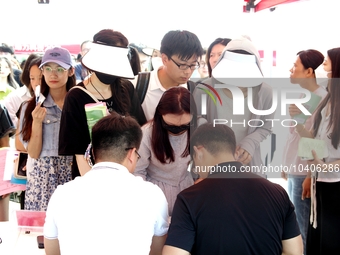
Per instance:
(230,211)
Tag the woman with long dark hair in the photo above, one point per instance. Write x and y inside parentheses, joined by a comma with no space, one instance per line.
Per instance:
(165,145)
(303,74)
(30,77)
(39,129)
(108,64)
(323,234)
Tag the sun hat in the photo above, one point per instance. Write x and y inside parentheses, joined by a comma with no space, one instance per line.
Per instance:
(109,60)
(239,69)
(59,56)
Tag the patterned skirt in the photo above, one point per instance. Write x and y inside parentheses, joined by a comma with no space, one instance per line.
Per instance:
(43,179)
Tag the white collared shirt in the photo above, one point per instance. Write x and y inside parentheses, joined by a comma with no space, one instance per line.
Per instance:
(108,210)
(153,95)
(13,101)
(330,175)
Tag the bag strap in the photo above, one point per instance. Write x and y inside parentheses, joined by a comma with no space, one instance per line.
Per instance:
(273,146)
(142,85)
(191,86)
(87,92)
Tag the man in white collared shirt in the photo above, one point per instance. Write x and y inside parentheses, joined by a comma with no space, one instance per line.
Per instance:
(180,53)
(108,210)
(14,100)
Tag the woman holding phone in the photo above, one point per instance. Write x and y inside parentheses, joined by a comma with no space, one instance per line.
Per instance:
(39,129)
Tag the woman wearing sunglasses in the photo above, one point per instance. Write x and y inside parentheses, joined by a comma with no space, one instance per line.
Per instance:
(165,144)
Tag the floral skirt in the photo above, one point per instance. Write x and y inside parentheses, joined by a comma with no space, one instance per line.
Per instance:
(43,179)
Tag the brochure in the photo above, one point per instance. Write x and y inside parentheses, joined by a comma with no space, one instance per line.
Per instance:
(306,145)
(311,106)
(94,112)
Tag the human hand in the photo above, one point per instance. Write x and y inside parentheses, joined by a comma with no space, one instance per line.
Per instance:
(316,161)
(39,113)
(306,188)
(293,110)
(243,156)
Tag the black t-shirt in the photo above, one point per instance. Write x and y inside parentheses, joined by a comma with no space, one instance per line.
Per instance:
(232,213)
(74,135)
(6,125)
(17,74)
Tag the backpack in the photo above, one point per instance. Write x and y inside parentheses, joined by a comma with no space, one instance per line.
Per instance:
(143,84)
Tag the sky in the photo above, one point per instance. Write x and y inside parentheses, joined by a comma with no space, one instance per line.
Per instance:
(287,30)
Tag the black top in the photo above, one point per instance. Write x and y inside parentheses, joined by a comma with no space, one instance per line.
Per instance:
(232,213)
(74,134)
(6,125)
(17,74)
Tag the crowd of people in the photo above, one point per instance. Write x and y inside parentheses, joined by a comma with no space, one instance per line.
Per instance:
(155,163)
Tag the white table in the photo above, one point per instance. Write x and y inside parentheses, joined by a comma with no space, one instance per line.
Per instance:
(16,242)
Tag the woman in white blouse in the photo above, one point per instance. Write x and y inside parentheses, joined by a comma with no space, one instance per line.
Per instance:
(323,235)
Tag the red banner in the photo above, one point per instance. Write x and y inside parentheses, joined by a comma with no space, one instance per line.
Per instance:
(29,48)
(266,4)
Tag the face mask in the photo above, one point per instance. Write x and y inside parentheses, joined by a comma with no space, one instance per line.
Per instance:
(106,78)
(175,129)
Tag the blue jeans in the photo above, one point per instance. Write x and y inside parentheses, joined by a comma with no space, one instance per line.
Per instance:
(302,207)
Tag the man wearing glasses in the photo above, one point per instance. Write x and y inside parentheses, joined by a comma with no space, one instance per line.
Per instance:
(114,211)
(180,53)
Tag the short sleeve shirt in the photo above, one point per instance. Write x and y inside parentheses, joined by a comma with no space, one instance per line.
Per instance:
(232,213)
(74,135)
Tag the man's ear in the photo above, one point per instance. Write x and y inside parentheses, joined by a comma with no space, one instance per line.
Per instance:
(310,72)
(92,154)
(130,155)
(165,59)
(197,153)
(236,154)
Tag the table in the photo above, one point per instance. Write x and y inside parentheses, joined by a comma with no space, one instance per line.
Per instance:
(16,242)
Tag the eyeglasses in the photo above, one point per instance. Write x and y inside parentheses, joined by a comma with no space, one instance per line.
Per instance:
(138,155)
(184,66)
(59,70)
